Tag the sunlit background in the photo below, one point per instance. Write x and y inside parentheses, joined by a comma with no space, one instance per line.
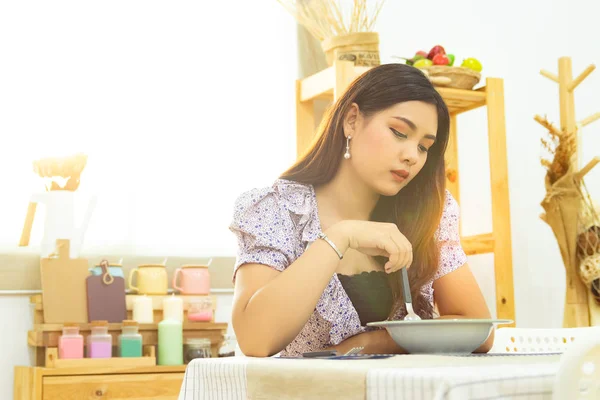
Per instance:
(179,106)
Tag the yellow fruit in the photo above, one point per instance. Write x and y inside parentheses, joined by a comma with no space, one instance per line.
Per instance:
(472,63)
(424,62)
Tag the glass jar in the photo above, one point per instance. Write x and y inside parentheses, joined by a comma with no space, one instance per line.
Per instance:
(200,310)
(99,342)
(130,340)
(227,349)
(196,348)
(70,343)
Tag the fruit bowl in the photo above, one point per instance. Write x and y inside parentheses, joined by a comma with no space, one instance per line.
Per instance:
(439,67)
(440,336)
(459,77)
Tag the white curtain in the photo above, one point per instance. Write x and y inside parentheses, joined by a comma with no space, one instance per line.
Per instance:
(179,105)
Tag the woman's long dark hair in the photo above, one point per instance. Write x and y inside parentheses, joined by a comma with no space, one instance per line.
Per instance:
(417,208)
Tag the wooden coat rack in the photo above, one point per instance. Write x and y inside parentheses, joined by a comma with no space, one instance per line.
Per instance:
(580,308)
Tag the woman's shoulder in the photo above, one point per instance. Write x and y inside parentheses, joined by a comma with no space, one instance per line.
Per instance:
(282,202)
(281,192)
(274,223)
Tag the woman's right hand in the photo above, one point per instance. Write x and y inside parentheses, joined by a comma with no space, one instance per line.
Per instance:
(376,239)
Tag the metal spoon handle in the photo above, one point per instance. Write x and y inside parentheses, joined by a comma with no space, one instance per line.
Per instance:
(406,286)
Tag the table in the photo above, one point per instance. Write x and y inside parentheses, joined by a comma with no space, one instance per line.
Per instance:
(414,377)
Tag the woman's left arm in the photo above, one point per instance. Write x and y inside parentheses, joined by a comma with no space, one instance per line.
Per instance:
(374,342)
(455,290)
(457,295)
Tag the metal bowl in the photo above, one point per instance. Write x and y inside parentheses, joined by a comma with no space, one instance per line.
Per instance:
(440,336)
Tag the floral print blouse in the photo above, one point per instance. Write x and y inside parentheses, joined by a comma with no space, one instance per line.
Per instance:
(274,225)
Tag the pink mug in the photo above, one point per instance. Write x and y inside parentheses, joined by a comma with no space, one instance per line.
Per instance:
(195,279)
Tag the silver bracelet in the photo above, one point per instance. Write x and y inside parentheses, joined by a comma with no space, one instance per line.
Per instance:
(321,235)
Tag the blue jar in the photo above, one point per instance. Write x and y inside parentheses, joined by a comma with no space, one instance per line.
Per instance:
(114,269)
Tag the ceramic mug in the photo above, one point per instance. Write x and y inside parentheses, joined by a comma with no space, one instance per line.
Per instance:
(195,279)
(151,279)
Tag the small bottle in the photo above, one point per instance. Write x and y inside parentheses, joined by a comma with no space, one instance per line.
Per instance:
(130,340)
(99,342)
(197,348)
(170,342)
(70,343)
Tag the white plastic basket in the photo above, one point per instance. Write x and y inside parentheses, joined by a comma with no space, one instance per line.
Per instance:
(544,341)
(578,377)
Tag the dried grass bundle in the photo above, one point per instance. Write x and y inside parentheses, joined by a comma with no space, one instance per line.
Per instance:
(61,173)
(325,19)
(561,147)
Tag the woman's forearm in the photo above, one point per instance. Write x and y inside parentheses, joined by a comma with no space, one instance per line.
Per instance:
(274,315)
(374,342)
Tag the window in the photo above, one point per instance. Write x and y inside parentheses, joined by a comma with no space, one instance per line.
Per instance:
(179,106)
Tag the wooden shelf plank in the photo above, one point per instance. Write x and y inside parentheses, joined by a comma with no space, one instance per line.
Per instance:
(478,244)
(187,326)
(459,100)
(321,86)
(110,370)
(157,300)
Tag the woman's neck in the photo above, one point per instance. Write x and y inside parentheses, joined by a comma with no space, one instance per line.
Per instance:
(345,197)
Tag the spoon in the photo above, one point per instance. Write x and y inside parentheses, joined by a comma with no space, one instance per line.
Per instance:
(410,312)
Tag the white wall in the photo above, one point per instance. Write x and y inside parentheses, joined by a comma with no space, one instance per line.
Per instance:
(16,316)
(513,40)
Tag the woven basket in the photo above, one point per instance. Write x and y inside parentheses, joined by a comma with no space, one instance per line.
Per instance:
(460,77)
(362,48)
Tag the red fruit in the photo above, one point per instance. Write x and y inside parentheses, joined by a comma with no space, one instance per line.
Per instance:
(435,50)
(440,59)
(421,53)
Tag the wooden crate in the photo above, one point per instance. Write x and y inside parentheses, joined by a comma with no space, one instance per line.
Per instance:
(147,360)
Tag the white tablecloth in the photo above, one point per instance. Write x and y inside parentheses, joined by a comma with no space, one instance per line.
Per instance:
(459,383)
(411,377)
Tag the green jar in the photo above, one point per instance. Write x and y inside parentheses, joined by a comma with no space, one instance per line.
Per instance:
(130,340)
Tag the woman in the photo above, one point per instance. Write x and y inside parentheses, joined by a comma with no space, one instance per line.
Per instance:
(321,249)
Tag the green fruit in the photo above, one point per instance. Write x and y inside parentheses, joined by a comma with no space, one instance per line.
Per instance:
(451,58)
(472,63)
(417,57)
(424,62)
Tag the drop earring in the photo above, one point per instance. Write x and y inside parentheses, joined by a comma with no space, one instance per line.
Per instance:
(347,153)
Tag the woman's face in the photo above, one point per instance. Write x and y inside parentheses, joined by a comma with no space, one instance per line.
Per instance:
(389,148)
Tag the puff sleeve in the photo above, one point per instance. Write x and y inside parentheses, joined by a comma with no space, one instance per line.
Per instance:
(264,230)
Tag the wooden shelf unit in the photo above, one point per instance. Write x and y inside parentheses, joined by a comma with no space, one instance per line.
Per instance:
(122,380)
(331,82)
